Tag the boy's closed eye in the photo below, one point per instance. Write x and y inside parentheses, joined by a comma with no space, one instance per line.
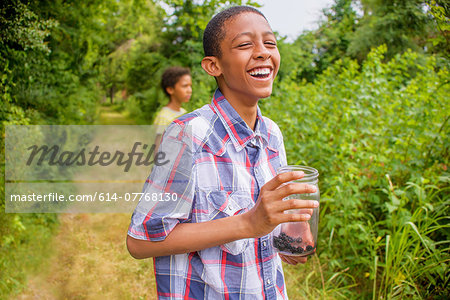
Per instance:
(248,44)
(245,44)
(271,43)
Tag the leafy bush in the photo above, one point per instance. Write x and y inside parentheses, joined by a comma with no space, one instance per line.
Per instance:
(378,134)
(39,85)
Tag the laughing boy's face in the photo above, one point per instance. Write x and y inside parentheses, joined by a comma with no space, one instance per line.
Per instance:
(249,58)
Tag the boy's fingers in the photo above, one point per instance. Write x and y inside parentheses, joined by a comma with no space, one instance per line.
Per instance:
(293,260)
(294,217)
(278,180)
(296,188)
(289,260)
(304,207)
(283,259)
(300,259)
(305,211)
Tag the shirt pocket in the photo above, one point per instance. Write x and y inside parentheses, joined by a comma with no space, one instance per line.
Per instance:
(225,203)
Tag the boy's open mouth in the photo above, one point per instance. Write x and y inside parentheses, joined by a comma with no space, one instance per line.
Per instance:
(263,72)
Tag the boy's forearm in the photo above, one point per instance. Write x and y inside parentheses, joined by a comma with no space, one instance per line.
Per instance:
(190,237)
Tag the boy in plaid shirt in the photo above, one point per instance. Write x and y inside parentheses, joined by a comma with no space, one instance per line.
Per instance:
(208,214)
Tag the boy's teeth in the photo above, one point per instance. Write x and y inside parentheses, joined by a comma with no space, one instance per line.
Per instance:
(260,71)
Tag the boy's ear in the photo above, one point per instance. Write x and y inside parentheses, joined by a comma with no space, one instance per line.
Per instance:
(211,65)
(170,90)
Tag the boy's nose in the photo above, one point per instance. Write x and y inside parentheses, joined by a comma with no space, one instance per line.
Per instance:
(261,52)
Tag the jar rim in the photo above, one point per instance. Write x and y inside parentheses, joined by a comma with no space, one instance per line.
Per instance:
(310,172)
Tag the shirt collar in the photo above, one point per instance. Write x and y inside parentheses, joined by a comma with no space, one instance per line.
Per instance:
(238,131)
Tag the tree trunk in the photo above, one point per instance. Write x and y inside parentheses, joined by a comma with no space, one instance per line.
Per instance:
(111,94)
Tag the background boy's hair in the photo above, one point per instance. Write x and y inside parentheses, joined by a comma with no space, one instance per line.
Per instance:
(215,32)
(171,76)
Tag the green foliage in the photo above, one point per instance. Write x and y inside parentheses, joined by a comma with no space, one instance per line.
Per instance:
(376,127)
(131,32)
(400,24)
(352,28)
(42,72)
(378,133)
(416,249)
(186,23)
(331,41)
(298,60)
(440,11)
(21,29)
(44,80)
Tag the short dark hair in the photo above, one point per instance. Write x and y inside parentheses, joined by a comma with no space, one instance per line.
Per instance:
(171,76)
(215,31)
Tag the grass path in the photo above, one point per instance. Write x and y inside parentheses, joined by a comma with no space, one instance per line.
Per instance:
(109,116)
(89,259)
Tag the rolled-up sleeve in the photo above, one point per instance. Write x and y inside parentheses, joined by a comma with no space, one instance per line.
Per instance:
(168,192)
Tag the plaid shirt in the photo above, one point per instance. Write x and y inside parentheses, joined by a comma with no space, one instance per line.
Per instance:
(219,165)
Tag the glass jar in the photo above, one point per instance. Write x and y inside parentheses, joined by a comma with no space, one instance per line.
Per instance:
(299,238)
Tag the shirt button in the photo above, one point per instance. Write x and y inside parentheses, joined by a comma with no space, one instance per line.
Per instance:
(264,243)
(256,171)
(268,281)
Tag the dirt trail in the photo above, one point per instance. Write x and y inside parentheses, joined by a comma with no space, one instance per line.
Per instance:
(89,259)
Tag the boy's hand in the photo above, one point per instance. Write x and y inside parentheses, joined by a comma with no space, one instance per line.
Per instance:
(293,260)
(268,211)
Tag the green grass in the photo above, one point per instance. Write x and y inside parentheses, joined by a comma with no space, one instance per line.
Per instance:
(113,115)
(25,247)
